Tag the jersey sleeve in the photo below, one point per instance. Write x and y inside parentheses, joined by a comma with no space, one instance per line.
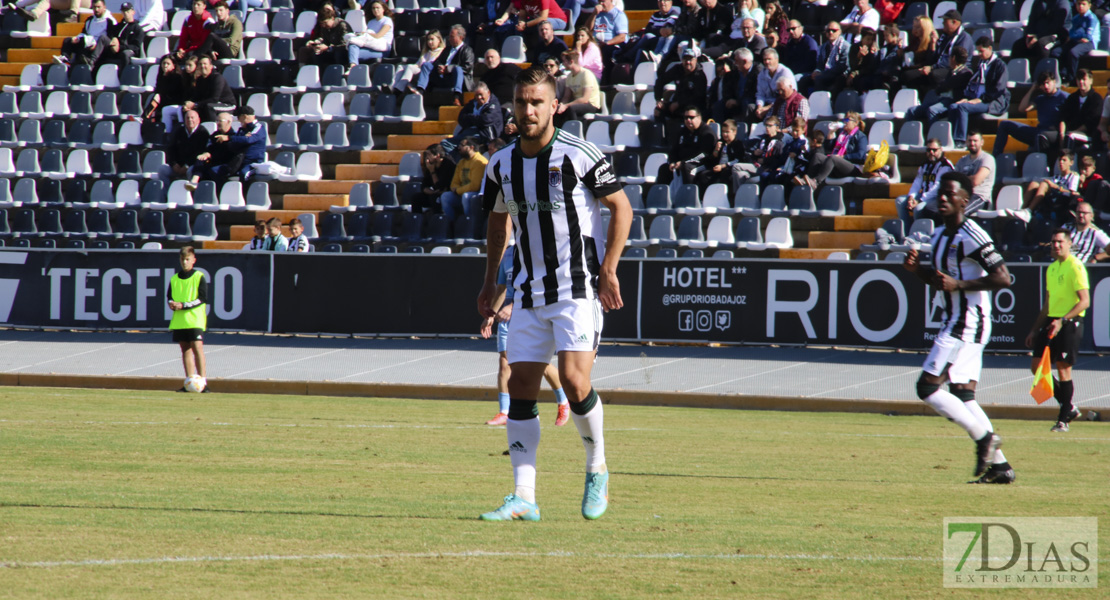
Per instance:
(600,178)
(983,252)
(493,197)
(1080,277)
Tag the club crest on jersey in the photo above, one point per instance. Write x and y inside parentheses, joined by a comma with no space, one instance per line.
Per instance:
(555,177)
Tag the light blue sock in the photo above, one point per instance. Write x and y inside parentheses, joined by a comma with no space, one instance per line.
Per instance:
(503,403)
(560,396)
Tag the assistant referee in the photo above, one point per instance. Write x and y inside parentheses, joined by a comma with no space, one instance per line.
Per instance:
(1059,325)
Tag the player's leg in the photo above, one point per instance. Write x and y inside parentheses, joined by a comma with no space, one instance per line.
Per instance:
(503,372)
(188,359)
(528,355)
(578,332)
(198,352)
(551,374)
(963,376)
(937,369)
(1065,347)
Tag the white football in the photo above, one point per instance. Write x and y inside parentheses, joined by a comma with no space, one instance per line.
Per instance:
(195,384)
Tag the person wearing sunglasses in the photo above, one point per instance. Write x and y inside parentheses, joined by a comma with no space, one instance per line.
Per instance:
(832,62)
(799,50)
(923,192)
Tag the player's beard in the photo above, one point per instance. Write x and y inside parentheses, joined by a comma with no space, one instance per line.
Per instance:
(536,132)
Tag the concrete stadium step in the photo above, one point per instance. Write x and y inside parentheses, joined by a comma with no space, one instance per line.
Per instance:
(810,253)
(12,68)
(52,42)
(382,157)
(449,113)
(224,244)
(839,239)
(332,186)
(883,207)
(313,202)
(31,55)
(857,222)
(9,80)
(434,127)
(412,143)
(364,172)
(69,29)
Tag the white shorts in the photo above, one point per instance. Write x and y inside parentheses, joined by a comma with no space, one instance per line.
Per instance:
(964,360)
(568,325)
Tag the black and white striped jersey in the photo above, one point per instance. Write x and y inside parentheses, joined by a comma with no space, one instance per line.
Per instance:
(298,244)
(557,224)
(1087,243)
(966,254)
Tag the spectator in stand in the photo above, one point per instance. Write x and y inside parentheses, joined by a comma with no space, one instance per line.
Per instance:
(452,69)
(122,42)
(767,83)
(723,164)
(1051,198)
(793,157)
(259,236)
(231,153)
(582,95)
(953,36)
(692,149)
(211,93)
(526,16)
(431,45)
(863,64)
(1104,122)
(327,44)
(1089,243)
(764,150)
(714,20)
(921,201)
(981,168)
(738,99)
(1082,110)
(799,52)
(589,52)
(186,144)
(274,241)
(685,28)
(842,155)
(548,46)
(832,62)
(745,36)
(789,105)
(225,35)
(863,16)
(1048,135)
(554,67)
(750,9)
(1093,189)
(1083,36)
(195,29)
(169,93)
(723,87)
(776,22)
(297,240)
(439,169)
(984,90)
(481,118)
(690,88)
(466,179)
(922,46)
(891,54)
(645,38)
(499,76)
(377,40)
(1047,26)
(610,29)
(80,48)
(150,14)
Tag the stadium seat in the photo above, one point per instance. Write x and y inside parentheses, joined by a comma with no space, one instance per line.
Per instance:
(1017,70)
(801,201)
(30,77)
(637,237)
(152,225)
(658,199)
(661,231)
(773,201)
(690,233)
(746,201)
(650,170)
(687,199)
(837,256)
(1009,199)
(1034,168)
(716,200)
(1004,15)
(409,169)
(747,232)
(777,235)
(513,51)
(178,228)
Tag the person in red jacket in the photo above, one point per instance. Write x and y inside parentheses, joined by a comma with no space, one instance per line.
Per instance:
(195,30)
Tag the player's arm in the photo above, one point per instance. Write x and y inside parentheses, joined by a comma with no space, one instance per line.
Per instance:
(621,222)
(912,263)
(997,277)
(497,238)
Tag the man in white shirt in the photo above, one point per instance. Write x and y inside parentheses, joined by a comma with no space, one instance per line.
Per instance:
(1088,241)
(767,83)
(863,16)
(150,14)
(79,48)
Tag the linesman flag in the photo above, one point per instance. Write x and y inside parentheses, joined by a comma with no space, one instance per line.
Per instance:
(1042,380)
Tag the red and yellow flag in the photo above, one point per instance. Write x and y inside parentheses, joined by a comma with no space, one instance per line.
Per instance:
(1042,380)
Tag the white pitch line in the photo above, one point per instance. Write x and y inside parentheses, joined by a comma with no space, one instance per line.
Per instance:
(640,369)
(115,562)
(288,362)
(66,357)
(207,352)
(394,365)
(903,374)
(482,376)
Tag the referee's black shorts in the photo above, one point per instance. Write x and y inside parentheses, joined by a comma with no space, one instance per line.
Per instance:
(187,335)
(1065,346)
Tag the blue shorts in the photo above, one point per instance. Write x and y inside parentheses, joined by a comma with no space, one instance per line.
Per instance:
(502,336)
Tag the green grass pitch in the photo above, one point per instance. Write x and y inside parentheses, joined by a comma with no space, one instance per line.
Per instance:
(115,494)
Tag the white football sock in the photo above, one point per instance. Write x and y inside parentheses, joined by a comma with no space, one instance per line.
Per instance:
(524,440)
(954,410)
(591,430)
(976,410)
